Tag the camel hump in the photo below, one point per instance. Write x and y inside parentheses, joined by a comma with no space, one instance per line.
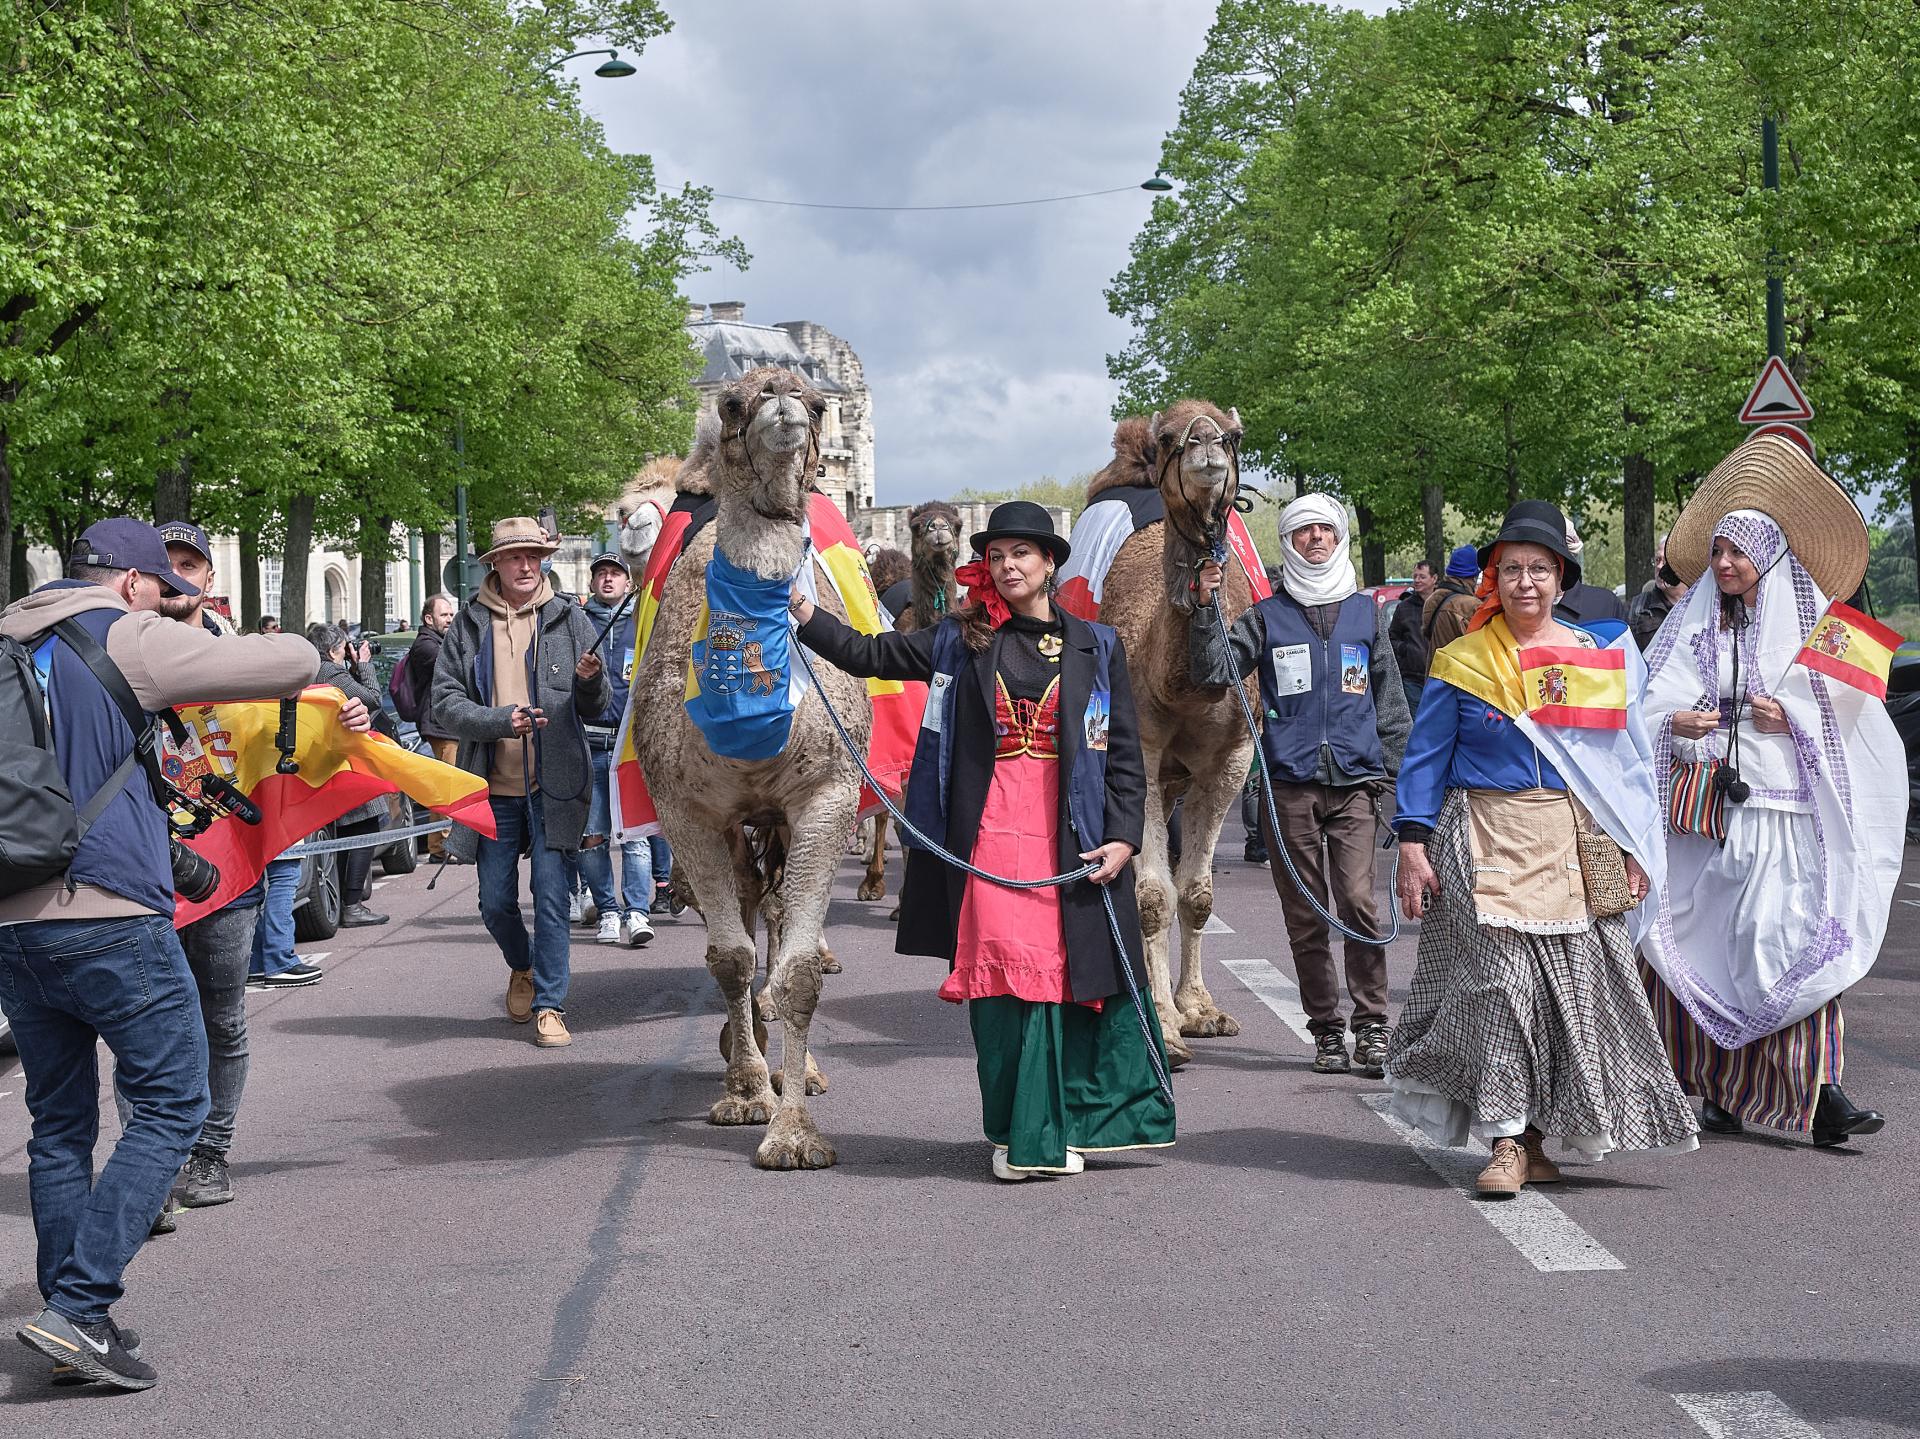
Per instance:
(1132,462)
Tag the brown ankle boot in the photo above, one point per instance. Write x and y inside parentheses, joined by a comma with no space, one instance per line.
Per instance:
(1506,1173)
(1540,1169)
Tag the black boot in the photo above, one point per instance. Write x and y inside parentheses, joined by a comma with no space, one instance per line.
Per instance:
(1716,1120)
(1835,1118)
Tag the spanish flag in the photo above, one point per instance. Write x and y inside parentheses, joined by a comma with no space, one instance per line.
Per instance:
(338,770)
(1854,648)
(1576,686)
(897,704)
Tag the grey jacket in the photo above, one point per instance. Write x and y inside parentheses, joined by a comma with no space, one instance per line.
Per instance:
(562,766)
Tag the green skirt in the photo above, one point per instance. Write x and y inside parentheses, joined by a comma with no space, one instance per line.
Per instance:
(1055,1077)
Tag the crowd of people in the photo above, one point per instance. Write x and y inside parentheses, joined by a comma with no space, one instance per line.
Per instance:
(1637,879)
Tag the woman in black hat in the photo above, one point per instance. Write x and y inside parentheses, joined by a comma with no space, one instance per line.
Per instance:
(1028,765)
(1526,1016)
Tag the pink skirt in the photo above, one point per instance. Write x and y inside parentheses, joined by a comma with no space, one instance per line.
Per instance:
(1011,941)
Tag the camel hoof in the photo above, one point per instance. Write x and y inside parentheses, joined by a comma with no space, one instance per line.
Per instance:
(798,1146)
(765,1009)
(726,1038)
(816,1080)
(871,889)
(1209,1024)
(734,1110)
(1178,1051)
(828,963)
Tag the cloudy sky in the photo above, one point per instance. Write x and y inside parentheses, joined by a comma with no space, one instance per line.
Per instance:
(984,334)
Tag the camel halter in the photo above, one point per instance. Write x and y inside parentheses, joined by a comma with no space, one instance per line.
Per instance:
(812,464)
(1213,544)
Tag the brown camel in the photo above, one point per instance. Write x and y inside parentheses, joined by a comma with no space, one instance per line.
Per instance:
(1193,738)
(759,472)
(933,530)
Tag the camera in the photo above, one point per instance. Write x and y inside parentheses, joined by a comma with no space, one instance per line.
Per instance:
(195,877)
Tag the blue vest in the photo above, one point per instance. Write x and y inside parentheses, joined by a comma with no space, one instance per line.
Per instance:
(1317,691)
(930,781)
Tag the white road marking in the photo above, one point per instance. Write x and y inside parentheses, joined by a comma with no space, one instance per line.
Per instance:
(379,884)
(1274,990)
(1552,1243)
(1215,925)
(1748,1414)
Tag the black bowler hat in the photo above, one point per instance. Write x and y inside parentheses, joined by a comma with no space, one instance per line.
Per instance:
(1021,520)
(1536,522)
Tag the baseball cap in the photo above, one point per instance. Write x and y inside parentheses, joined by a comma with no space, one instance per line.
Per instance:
(609,557)
(129,544)
(186,532)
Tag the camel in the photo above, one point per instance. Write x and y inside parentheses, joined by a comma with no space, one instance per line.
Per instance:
(933,529)
(759,470)
(645,502)
(1193,738)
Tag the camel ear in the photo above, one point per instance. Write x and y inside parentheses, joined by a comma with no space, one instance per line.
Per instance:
(732,409)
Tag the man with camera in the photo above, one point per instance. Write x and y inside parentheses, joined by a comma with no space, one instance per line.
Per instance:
(91,954)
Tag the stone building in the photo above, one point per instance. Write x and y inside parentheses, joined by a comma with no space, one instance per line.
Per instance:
(886,525)
(730,346)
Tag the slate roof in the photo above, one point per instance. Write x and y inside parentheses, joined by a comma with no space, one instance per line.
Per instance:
(730,348)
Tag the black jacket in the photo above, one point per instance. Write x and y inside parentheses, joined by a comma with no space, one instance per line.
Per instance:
(421,656)
(1408,641)
(930,899)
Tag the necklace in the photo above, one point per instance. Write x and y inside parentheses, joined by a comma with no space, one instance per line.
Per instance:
(1050,646)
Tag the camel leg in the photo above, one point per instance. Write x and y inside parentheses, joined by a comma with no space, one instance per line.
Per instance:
(1207,804)
(731,960)
(1153,886)
(792,1141)
(874,886)
(829,962)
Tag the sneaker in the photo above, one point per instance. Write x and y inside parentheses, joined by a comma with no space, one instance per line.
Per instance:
(639,929)
(550,1030)
(519,995)
(164,1222)
(292,977)
(1004,1171)
(1370,1050)
(205,1180)
(1540,1169)
(358,916)
(609,929)
(95,1351)
(1254,854)
(662,903)
(67,1374)
(1330,1056)
(1506,1173)
(581,909)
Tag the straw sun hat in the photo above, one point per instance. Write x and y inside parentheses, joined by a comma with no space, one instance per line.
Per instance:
(1773,475)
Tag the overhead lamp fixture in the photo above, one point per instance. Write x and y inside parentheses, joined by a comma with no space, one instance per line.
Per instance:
(614,69)
(1159,184)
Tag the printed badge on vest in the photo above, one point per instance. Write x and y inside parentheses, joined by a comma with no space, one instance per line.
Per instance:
(1353,669)
(934,715)
(1292,670)
(1099,719)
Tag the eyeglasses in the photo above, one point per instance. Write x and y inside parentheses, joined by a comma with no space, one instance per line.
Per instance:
(1539,574)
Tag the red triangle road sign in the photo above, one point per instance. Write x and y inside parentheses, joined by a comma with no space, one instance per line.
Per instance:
(1775,396)
(1787,432)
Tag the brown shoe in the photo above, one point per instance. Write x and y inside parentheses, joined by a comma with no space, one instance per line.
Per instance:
(519,995)
(1540,1169)
(1506,1174)
(550,1030)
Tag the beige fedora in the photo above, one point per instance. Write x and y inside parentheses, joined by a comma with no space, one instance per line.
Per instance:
(519,532)
(1773,475)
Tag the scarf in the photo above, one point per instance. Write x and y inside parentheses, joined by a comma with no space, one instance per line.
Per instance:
(981,590)
(1330,581)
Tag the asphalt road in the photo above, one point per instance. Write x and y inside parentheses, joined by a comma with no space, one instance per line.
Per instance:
(441,1230)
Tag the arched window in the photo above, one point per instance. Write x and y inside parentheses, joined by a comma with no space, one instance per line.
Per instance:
(336,601)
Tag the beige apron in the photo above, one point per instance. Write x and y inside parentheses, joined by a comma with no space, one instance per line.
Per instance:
(1526,861)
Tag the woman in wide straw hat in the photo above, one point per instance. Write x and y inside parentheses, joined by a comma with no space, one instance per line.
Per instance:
(1787,787)
(1028,764)
(1526,1016)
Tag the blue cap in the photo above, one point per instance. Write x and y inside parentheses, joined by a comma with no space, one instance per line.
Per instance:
(1464,562)
(610,557)
(186,532)
(128,544)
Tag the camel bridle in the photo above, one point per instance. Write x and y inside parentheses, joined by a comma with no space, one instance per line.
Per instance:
(812,461)
(1211,544)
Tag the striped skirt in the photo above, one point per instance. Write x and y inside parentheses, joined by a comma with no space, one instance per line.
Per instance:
(1773,1081)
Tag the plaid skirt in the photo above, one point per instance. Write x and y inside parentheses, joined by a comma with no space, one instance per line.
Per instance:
(1505,1028)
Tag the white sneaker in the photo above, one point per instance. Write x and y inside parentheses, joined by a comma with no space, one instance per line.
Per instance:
(1076,1163)
(639,929)
(576,908)
(1005,1171)
(609,929)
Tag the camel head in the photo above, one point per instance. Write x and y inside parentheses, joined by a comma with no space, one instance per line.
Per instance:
(934,530)
(770,442)
(1195,454)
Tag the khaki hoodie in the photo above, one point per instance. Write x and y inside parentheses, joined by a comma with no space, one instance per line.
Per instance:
(166,663)
(515,631)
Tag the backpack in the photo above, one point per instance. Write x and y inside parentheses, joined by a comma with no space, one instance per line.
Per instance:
(40,826)
(400,685)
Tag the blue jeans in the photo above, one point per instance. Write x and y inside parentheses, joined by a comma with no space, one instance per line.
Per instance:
(65,984)
(498,866)
(273,935)
(662,858)
(595,865)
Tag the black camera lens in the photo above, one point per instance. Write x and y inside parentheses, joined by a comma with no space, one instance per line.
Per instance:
(195,877)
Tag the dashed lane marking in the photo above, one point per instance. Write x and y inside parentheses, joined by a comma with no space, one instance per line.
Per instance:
(1745,1414)
(1215,925)
(1530,1221)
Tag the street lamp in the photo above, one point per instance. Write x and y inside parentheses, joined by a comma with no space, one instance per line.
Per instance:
(1159,184)
(611,69)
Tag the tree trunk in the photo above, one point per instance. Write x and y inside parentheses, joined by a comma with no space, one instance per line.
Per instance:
(1511,459)
(430,564)
(1913,489)
(8,594)
(18,581)
(173,490)
(1637,540)
(249,580)
(1433,519)
(376,548)
(294,560)
(1373,550)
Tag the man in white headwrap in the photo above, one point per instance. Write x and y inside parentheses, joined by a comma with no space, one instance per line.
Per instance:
(1336,726)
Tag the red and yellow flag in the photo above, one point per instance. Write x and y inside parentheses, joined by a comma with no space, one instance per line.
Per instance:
(1575,686)
(1854,648)
(338,770)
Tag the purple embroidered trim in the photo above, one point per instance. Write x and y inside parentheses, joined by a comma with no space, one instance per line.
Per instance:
(1758,538)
